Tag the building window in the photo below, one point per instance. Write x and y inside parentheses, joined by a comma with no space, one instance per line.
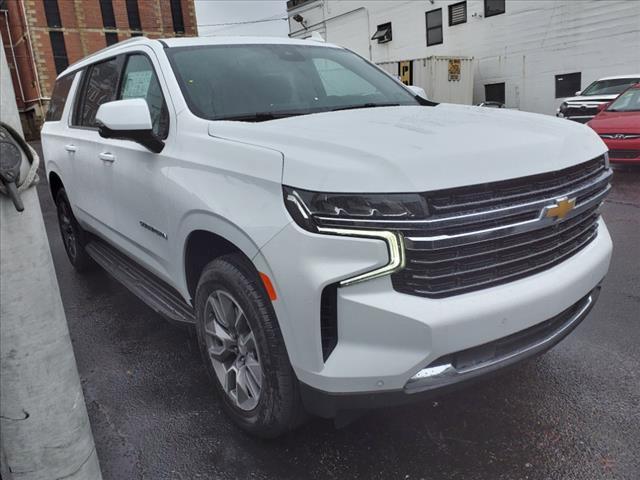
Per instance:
(383,33)
(568,84)
(176,16)
(59,51)
(108,18)
(296,3)
(52,13)
(133,14)
(434,27)
(494,92)
(493,7)
(111,38)
(136,34)
(457,13)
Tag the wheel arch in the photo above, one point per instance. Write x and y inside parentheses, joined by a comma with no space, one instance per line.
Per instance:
(208,237)
(55,184)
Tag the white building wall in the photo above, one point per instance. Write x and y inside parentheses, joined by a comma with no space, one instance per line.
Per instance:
(525,47)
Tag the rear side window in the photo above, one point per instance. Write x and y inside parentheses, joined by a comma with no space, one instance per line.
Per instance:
(100,87)
(59,98)
(140,81)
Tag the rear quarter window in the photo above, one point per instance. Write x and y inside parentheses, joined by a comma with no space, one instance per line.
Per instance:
(59,98)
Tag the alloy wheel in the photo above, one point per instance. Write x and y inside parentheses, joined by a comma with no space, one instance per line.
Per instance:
(232,350)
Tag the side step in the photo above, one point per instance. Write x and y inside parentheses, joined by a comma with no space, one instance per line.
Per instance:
(146,286)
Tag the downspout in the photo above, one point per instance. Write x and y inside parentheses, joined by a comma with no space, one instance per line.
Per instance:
(33,58)
(13,55)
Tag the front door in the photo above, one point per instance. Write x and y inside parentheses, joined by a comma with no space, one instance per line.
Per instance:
(137,175)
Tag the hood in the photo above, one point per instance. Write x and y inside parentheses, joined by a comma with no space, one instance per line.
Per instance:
(415,148)
(591,98)
(616,122)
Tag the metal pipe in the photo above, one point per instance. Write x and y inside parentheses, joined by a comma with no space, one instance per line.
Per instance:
(13,54)
(33,56)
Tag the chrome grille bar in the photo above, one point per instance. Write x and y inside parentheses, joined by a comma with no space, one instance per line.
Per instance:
(584,223)
(443,241)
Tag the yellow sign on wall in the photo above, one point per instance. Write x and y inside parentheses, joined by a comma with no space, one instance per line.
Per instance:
(405,71)
(454,69)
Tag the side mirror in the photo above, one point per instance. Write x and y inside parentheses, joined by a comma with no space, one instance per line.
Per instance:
(603,106)
(419,91)
(128,120)
(578,93)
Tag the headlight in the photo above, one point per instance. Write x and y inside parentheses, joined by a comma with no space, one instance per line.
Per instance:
(311,209)
(358,215)
(562,109)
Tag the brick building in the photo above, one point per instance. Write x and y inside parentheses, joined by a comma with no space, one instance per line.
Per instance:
(42,37)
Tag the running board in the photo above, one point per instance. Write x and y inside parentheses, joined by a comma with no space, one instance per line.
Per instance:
(147,287)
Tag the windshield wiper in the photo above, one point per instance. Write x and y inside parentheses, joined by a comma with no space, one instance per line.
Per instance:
(261,116)
(365,105)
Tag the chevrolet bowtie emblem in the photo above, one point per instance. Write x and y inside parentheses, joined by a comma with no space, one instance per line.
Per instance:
(561,209)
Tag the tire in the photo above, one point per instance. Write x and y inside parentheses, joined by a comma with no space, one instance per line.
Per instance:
(261,399)
(73,236)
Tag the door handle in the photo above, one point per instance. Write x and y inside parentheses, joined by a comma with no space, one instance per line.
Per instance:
(107,157)
(70,148)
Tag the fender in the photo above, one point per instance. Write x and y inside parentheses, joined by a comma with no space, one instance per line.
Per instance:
(208,221)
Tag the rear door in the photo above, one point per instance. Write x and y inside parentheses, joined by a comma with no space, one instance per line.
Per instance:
(137,175)
(57,146)
(92,173)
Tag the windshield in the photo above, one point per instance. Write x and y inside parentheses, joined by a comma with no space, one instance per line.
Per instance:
(263,82)
(609,87)
(629,101)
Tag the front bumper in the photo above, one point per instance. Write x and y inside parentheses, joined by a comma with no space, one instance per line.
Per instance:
(386,338)
(459,369)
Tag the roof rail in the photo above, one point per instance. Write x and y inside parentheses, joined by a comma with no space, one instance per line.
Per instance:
(118,44)
(71,67)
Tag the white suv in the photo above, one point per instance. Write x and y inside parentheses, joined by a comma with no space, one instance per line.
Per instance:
(339,242)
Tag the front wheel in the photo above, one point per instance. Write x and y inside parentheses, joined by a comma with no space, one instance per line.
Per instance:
(243,349)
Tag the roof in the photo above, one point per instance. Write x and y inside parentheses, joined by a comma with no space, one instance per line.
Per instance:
(637,75)
(189,42)
(238,40)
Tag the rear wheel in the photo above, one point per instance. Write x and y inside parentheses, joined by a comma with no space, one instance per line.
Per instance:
(243,349)
(73,236)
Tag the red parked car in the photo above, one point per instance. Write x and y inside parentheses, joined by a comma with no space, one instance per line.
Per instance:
(618,124)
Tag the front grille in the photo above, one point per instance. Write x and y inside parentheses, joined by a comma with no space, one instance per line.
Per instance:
(572,111)
(455,270)
(624,154)
(491,234)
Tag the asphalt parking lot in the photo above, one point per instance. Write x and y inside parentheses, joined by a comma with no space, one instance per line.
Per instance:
(572,414)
